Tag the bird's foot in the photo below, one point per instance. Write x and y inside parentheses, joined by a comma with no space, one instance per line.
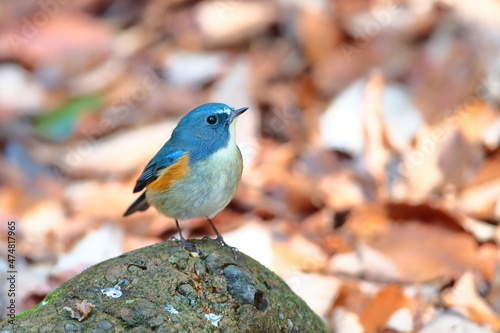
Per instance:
(188,246)
(222,243)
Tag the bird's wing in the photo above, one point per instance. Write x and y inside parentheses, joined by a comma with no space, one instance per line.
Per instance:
(138,205)
(159,163)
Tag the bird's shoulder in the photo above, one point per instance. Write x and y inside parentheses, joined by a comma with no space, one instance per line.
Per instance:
(165,158)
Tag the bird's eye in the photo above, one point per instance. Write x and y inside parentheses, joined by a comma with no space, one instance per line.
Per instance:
(211,120)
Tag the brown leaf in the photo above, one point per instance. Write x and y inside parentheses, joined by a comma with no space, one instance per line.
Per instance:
(81,311)
(227,22)
(421,241)
(474,118)
(419,173)
(351,297)
(458,159)
(464,297)
(482,194)
(342,191)
(100,156)
(378,311)
(59,41)
(439,83)
(375,154)
(318,34)
(488,257)
(298,253)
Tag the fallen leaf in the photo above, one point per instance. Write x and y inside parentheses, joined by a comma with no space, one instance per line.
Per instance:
(365,261)
(443,72)
(380,309)
(188,69)
(81,311)
(346,322)
(375,153)
(480,196)
(317,290)
(451,323)
(99,200)
(298,253)
(96,246)
(401,321)
(226,22)
(318,33)
(100,156)
(40,224)
(427,235)
(342,191)
(342,123)
(463,296)
(69,42)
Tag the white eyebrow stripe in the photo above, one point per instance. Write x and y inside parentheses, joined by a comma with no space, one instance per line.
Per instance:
(226,111)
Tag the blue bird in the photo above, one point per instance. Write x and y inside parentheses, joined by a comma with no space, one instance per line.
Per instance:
(197,171)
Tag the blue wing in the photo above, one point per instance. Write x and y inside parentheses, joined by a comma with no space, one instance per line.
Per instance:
(159,162)
(150,174)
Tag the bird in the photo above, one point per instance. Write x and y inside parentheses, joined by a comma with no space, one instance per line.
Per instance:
(197,171)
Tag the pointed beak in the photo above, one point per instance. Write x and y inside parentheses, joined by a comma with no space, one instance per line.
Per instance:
(236,113)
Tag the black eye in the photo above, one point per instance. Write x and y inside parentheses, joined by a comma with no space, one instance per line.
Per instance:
(211,120)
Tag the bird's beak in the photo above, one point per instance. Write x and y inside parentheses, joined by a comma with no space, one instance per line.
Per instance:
(236,113)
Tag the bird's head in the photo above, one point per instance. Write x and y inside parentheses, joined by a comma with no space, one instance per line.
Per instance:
(208,127)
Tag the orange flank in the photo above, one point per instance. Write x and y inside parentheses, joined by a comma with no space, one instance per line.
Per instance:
(168,176)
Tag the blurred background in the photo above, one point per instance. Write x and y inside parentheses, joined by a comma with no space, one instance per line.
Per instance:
(371,147)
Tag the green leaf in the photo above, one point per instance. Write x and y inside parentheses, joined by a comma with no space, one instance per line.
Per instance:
(60,123)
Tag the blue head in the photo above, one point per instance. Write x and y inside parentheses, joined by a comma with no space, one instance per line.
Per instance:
(206,129)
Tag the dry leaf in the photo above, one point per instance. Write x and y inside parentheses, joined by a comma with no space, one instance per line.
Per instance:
(342,191)
(72,36)
(342,123)
(100,156)
(352,297)
(298,253)
(346,322)
(474,118)
(226,22)
(366,262)
(464,297)
(96,200)
(317,290)
(419,240)
(375,154)
(443,74)
(318,33)
(81,311)
(380,309)
(450,323)
(482,194)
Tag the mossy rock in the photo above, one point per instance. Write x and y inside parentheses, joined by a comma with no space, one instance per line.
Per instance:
(164,288)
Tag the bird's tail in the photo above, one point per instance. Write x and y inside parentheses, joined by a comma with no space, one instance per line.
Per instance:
(139,205)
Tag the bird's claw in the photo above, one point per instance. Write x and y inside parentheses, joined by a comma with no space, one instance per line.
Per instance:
(222,243)
(188,246)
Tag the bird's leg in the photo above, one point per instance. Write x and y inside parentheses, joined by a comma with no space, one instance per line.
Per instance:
(219,238)
(189,247)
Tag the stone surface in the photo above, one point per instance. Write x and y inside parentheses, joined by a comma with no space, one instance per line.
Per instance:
(164,288)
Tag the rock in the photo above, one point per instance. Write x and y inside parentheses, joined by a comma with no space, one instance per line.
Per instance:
(164,288)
